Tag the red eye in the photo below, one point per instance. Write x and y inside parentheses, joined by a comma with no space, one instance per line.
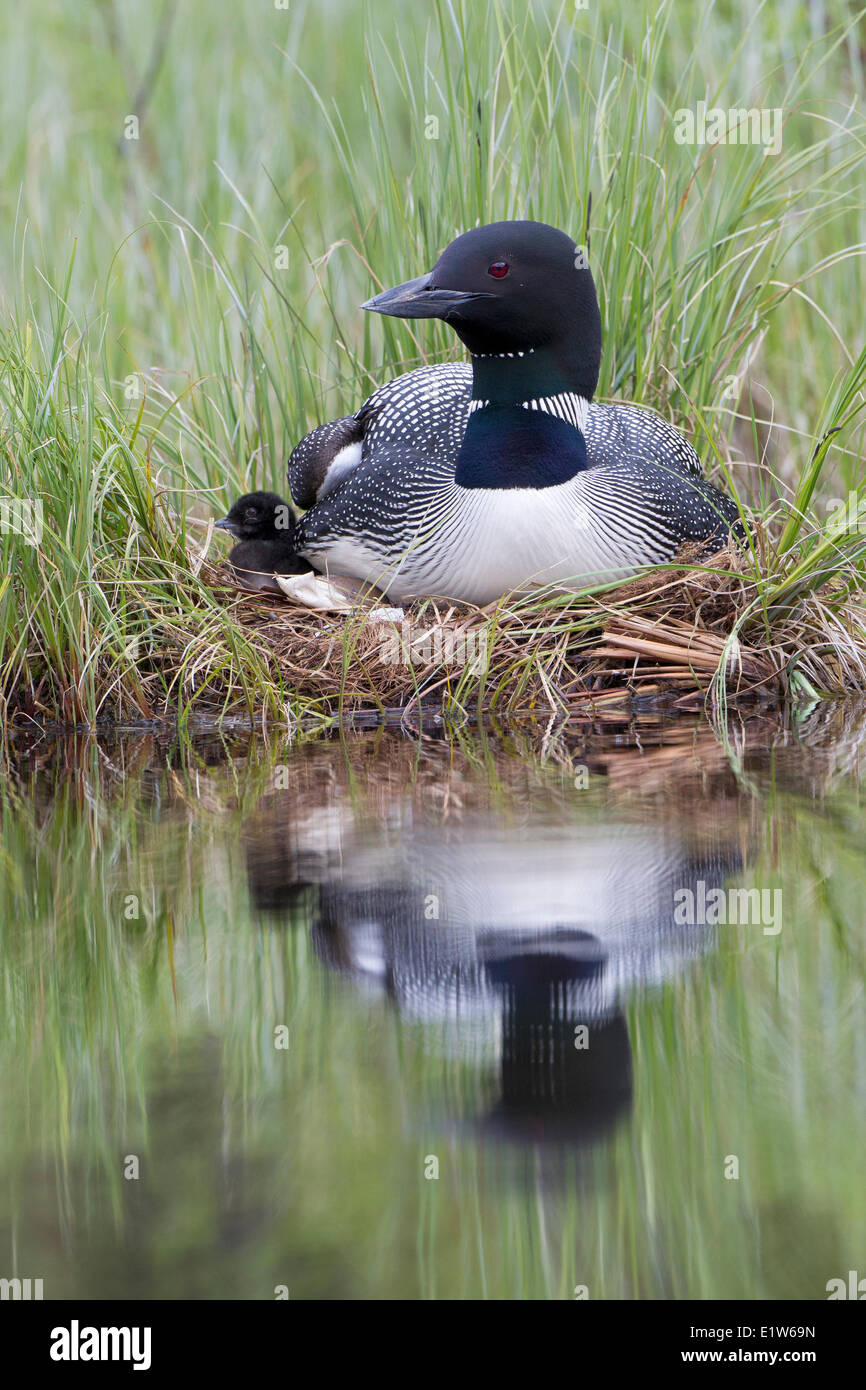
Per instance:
(498,269)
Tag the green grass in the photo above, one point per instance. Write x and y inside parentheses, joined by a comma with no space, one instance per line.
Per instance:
(160,353)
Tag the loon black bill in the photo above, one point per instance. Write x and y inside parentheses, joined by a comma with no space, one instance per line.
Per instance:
(419,299)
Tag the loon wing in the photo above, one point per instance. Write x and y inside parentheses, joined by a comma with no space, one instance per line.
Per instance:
(323,458)
(425,409)
(619,433)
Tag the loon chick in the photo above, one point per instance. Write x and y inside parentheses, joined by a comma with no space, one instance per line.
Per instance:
(469,481)
(265,527)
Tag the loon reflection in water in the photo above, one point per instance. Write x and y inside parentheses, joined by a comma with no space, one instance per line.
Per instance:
(518,948)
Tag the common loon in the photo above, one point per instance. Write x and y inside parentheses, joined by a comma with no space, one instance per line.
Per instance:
(470,481)
(501,937)
(265,527)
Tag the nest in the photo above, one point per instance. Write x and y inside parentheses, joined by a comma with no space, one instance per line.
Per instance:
(683,633)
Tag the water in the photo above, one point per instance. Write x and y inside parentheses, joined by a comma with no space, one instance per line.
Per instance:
(396,1015)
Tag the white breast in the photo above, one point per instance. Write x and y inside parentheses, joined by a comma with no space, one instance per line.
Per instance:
(486,542)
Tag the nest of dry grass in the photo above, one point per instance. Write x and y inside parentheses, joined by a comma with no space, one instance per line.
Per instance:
(686,632)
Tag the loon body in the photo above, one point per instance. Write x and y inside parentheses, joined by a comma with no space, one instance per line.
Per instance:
(471,480)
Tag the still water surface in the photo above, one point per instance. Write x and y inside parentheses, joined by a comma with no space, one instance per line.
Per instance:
(392,1015)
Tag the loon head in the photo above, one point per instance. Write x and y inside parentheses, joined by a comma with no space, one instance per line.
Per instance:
(511,291)
(521,297)
(259,516)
